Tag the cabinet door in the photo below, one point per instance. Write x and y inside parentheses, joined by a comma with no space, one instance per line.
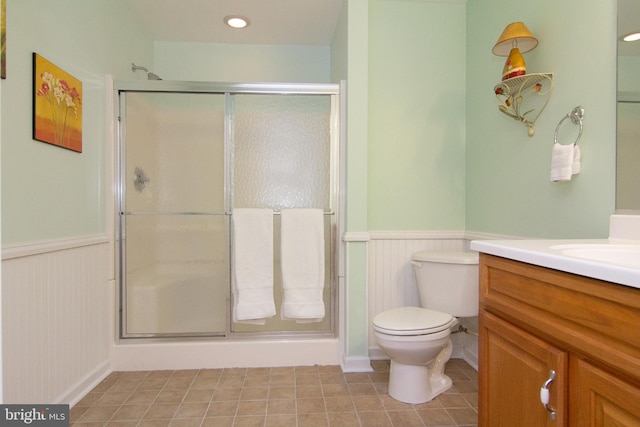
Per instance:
(513,367)
(599,399)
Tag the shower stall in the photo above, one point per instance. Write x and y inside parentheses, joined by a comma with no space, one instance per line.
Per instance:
(189,153)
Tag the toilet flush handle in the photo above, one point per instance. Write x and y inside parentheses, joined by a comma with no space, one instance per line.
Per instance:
(416,264)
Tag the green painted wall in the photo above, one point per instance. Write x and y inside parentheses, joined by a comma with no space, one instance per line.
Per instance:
(628,72)
(356,175)
(49,192)
(242,63)
(416,121)
(508,187)
(427,148)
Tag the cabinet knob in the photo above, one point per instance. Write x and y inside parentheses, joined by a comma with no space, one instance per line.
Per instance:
(544,395)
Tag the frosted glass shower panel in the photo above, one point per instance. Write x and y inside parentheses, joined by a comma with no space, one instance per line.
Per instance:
(282,151)
(174,152)
(177,276)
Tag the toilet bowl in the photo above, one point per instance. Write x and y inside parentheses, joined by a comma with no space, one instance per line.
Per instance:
(417,339)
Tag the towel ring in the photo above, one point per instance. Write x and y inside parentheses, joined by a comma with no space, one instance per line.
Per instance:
(576,116)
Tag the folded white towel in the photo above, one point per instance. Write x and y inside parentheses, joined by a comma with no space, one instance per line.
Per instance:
(252,281)
(565,162)
(302,258)
(576,166)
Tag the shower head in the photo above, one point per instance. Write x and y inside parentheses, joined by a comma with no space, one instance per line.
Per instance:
(150,75)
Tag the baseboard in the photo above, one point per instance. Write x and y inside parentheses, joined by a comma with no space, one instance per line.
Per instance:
(356,364)
(376,353)
(85,385)
(471,358)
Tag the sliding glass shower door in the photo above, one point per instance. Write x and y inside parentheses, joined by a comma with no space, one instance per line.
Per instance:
(174,231)
(189,154)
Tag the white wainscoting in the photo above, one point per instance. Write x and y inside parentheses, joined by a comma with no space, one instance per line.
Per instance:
(56,319)
(392,283)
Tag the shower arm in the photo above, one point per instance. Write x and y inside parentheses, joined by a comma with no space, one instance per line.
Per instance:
(150,75)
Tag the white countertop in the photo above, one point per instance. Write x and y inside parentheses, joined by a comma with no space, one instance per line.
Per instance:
(538,252)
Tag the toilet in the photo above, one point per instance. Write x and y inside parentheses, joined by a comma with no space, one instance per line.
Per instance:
(417,339)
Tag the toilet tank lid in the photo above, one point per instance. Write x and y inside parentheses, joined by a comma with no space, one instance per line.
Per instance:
(447,257)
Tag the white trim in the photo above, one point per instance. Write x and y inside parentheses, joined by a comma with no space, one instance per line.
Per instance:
(84,386)
(356,364)
(36,248)
(376,353)
(416,234)
(471,358)
(366,236)
(356,236)
(478,235)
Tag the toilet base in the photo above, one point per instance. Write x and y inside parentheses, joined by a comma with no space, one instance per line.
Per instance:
(415,384)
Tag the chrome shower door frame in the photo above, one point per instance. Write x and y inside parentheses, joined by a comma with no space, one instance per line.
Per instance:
(229,90)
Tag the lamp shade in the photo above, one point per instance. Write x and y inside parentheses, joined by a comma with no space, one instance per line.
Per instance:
(517,35)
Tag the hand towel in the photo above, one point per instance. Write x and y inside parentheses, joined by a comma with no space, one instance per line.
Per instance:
(302,259)
(252,281)
(576,166)
(565,162)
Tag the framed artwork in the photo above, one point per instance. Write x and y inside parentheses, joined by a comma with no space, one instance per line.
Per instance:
(3,38)
(57,105)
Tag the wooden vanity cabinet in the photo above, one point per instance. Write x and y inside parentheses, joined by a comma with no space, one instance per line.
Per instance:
(535,320)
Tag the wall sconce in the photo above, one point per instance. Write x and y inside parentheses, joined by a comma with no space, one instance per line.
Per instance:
(514,40)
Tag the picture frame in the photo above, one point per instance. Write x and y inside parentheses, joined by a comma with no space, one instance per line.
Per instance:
(3,39)
(57,105)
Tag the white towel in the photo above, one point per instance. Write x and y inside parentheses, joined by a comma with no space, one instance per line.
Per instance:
(576,166)
(565,162)
(302,258)
(253,265)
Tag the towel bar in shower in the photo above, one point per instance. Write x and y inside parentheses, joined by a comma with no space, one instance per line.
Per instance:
(196,213)
(325,212)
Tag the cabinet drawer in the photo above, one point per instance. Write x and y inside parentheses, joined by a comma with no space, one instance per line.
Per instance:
(587,316)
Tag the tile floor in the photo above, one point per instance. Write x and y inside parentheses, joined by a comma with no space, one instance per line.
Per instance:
(308,396)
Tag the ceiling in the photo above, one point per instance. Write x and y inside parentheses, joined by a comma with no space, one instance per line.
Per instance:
(287,22)
(628,22)
(280,22)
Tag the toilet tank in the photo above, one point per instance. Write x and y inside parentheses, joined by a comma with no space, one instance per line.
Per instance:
(448,281)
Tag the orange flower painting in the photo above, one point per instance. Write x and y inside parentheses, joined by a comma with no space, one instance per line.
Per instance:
(3,39)
(57,105)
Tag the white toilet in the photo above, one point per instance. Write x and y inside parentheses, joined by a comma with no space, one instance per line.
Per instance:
(417,340)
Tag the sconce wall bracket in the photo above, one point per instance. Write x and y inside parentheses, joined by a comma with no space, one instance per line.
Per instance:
(523,98)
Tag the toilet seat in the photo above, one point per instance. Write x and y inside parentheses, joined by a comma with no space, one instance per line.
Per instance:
(412,321)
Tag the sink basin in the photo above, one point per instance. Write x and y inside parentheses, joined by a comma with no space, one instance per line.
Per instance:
(624,255)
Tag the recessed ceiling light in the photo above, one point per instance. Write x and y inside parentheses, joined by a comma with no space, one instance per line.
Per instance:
(631,37)
(236,21)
